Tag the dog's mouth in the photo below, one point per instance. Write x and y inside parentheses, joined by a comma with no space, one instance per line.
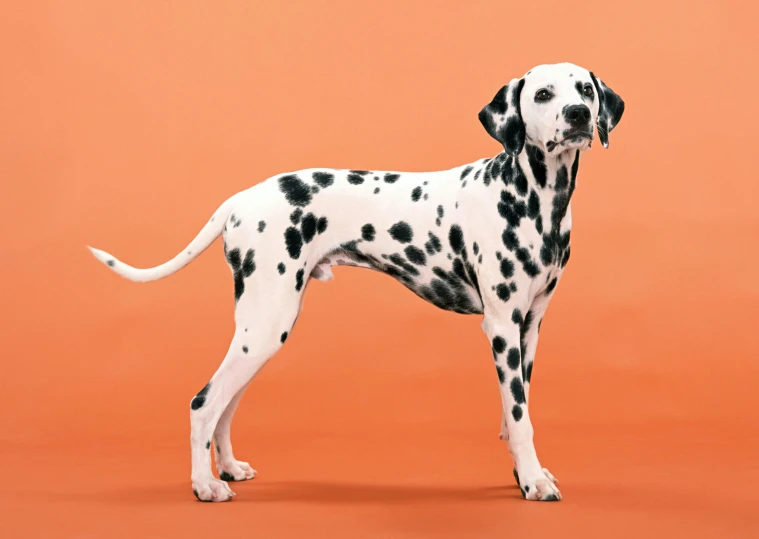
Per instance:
(570,136)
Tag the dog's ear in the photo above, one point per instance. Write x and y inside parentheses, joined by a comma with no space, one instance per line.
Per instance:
(610,109)
(502,117)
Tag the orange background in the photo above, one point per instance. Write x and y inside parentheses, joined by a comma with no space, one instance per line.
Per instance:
(123,125)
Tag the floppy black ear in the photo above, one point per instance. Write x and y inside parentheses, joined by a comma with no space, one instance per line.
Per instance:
(502,117)
(610,109)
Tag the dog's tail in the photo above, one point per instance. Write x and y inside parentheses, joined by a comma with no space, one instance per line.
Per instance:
(199,244)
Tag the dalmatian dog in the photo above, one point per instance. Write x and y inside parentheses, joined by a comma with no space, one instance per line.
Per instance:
(488,238)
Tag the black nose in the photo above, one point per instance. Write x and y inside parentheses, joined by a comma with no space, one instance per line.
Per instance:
(577,115)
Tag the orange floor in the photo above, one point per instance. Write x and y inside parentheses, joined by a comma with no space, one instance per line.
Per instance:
(124,125)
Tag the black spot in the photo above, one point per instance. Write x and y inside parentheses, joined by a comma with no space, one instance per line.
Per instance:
(440,211)
(426,196)
(294,242)
(562,179)
(416,194)
(415,255)
(281,268)
(296,191)
(261,226)
(533,205)
(299,280)
(520,180)
(466,172)
(475,248)
(437,221)
(566,258)
(513,286)
(295,216)
(321,225)
(401,232)
(200,398)
(433,245)
(528,265)
(324,179)
(517,317)
(398,260)
(536,159)
(528,371)
(248,265)
(391,178)
(376,190)
(517,390)
(503,292)
(208,444)
(233,259)
(551,286)
(111,263)
(245,349)
(368,232)
(513,358)
(226,476)
(501,374)
(456,239)
(516,412)
(308,227)
(539,224)
(499,344)
(355,179)
(283,337)
(507,268)
(510,239)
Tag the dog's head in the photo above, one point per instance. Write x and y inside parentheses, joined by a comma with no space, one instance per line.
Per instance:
(555,107)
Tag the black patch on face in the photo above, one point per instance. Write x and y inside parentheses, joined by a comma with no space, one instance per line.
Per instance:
(537,164)
(281,268)
(283,337)
(513,358)
(296,191)
(551,286)
(401,232)
(261,226)
(295,216)
(416,194)
(245,349)
(465,172)
(456,239)
(415,255)
(293,242)
(368,232)
(299,280)
(499,345)
(533,205)
(200,399)
(517,390)
(503,292)
(501,374)
(516,413)
(321,225)
(507,268)
(324,179)
(391,178)
(308,227)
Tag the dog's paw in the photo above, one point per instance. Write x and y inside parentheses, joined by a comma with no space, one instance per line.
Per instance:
(540,488)
(550,477)
(235,471)
(212,490)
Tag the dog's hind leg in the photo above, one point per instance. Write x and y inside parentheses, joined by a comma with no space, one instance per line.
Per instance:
(229,468)
(258,336)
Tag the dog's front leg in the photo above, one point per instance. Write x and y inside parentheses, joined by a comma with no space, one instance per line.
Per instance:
(503,328)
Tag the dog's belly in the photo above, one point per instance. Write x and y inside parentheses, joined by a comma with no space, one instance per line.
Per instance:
(452,288)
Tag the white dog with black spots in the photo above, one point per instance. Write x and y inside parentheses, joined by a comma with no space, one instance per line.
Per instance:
(490,238)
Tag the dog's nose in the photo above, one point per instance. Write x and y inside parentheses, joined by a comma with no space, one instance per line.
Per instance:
(577,115)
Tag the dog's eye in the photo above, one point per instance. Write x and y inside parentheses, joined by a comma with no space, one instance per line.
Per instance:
(588,90)
(543,95)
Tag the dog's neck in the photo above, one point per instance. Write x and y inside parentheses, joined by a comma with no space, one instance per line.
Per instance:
(556,172)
